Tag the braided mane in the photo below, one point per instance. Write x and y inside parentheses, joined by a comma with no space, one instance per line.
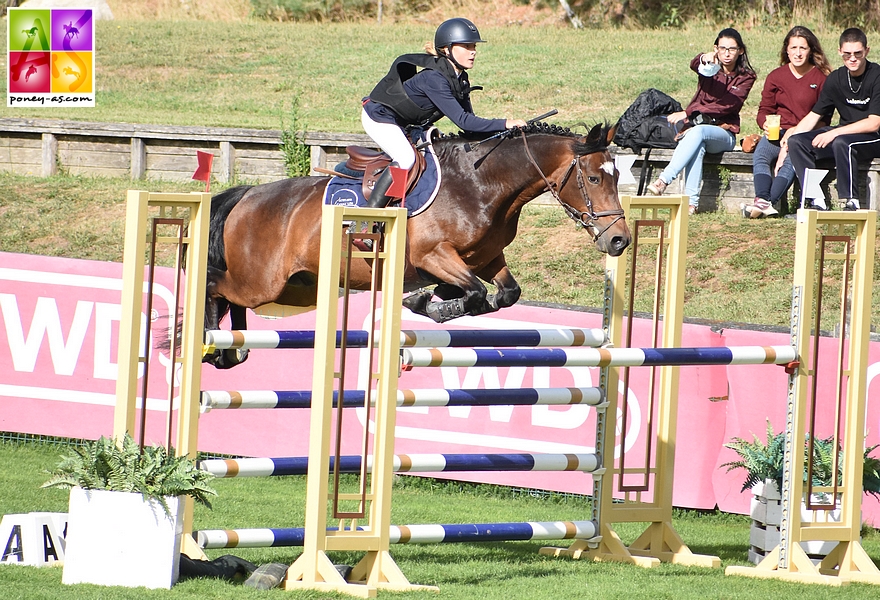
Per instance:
(583,145)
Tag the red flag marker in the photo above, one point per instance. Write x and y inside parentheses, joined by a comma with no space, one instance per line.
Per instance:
(397,189)
(203,172)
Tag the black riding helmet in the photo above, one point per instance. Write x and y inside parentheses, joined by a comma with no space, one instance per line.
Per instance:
(456,31)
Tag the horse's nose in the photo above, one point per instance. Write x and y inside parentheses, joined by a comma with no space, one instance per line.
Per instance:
(618,244)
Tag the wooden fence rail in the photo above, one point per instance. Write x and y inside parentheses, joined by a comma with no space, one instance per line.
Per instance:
(45,147)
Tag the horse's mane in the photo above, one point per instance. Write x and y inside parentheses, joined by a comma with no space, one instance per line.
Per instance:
(594,141)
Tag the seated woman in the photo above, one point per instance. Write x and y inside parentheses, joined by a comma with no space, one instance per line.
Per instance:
(790,91)
(711,120)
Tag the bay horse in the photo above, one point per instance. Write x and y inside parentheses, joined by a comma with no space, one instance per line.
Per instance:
(264,239)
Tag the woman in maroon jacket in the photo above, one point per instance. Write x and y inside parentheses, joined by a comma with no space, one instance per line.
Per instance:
(790,91)
(725,79)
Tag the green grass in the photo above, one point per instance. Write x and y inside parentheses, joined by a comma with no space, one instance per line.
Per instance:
(738,270)
(248,74)
(488,571)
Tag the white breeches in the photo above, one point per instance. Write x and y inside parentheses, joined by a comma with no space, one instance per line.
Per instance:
(391,139)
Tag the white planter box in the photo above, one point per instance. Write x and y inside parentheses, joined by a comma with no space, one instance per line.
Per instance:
(766,514)
(117,538)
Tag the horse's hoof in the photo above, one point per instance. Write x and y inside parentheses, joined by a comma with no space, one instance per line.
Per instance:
(417,302)
(226,359)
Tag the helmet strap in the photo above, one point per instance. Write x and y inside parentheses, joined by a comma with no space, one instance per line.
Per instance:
(452,59)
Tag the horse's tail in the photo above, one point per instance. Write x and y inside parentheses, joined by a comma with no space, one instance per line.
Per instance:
(221,205)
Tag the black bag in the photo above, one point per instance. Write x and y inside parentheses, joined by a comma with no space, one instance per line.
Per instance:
(636,128)
(656,132)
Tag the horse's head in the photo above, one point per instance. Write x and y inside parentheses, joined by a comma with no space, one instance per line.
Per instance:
(593,201)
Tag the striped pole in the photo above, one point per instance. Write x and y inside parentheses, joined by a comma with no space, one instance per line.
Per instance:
(409,534)
(597,357)
(459,338)
(406,463)
(591,396)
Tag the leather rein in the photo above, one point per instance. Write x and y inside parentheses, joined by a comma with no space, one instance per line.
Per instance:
(586,219)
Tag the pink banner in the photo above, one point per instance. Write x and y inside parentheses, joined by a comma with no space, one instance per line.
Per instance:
(58,369)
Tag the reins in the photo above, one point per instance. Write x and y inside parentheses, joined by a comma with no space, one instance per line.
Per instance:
(588,223)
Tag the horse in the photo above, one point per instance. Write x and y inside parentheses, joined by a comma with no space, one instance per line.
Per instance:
(264,239)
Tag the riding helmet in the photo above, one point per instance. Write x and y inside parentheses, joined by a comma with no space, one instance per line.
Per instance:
(456,31)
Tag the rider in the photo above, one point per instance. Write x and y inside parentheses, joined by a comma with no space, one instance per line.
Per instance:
(405,97)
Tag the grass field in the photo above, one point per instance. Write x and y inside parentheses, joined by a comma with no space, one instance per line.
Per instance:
(245,74)
(489,571)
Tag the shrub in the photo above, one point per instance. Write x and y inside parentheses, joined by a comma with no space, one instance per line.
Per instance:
(766,460)
(154,472)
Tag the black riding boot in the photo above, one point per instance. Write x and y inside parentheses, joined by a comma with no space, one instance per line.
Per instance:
(378,199)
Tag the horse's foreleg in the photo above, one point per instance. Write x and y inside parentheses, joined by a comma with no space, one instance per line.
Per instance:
(444,263)
(508,290)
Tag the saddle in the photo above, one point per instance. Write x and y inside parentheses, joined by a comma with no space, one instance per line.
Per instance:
(373,162)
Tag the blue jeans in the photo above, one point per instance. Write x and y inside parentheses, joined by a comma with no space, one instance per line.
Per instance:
(688,156)
(768,186)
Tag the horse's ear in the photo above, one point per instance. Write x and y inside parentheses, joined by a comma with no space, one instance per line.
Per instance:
(611,132)
(595,134)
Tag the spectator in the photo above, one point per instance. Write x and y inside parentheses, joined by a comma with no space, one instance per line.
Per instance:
(790,91)
(854,92)
(711,120)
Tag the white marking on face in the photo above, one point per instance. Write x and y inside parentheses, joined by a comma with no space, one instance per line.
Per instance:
(608,167)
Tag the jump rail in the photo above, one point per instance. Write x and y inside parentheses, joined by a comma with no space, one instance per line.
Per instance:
(406,463)
(408,534)
(247,339)
(598,357)
(591,396)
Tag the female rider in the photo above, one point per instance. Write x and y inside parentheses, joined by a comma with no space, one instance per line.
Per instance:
(790,91)
(405,97)
(712,118)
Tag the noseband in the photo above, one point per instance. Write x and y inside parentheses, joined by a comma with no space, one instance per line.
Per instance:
(586,219)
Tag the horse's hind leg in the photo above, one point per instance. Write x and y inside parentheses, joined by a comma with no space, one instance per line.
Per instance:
(238,322)
(216,308)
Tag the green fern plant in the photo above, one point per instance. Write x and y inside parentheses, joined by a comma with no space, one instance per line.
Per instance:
(760,460)
(154,473)
(763,460)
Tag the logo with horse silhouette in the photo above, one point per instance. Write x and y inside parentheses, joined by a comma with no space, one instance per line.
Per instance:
(50,57)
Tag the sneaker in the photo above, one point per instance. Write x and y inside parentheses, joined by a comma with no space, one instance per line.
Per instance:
(813,205)
(751,211)
(850,204)
(658,187)
(765,207)
(692,210)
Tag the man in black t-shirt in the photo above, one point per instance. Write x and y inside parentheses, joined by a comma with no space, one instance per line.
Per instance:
(853,91)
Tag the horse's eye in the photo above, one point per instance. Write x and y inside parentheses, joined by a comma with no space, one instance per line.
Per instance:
(593,179)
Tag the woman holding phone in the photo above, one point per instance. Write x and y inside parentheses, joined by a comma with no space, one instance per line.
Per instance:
(711,120)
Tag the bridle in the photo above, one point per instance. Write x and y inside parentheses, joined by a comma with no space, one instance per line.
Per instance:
(586,219)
